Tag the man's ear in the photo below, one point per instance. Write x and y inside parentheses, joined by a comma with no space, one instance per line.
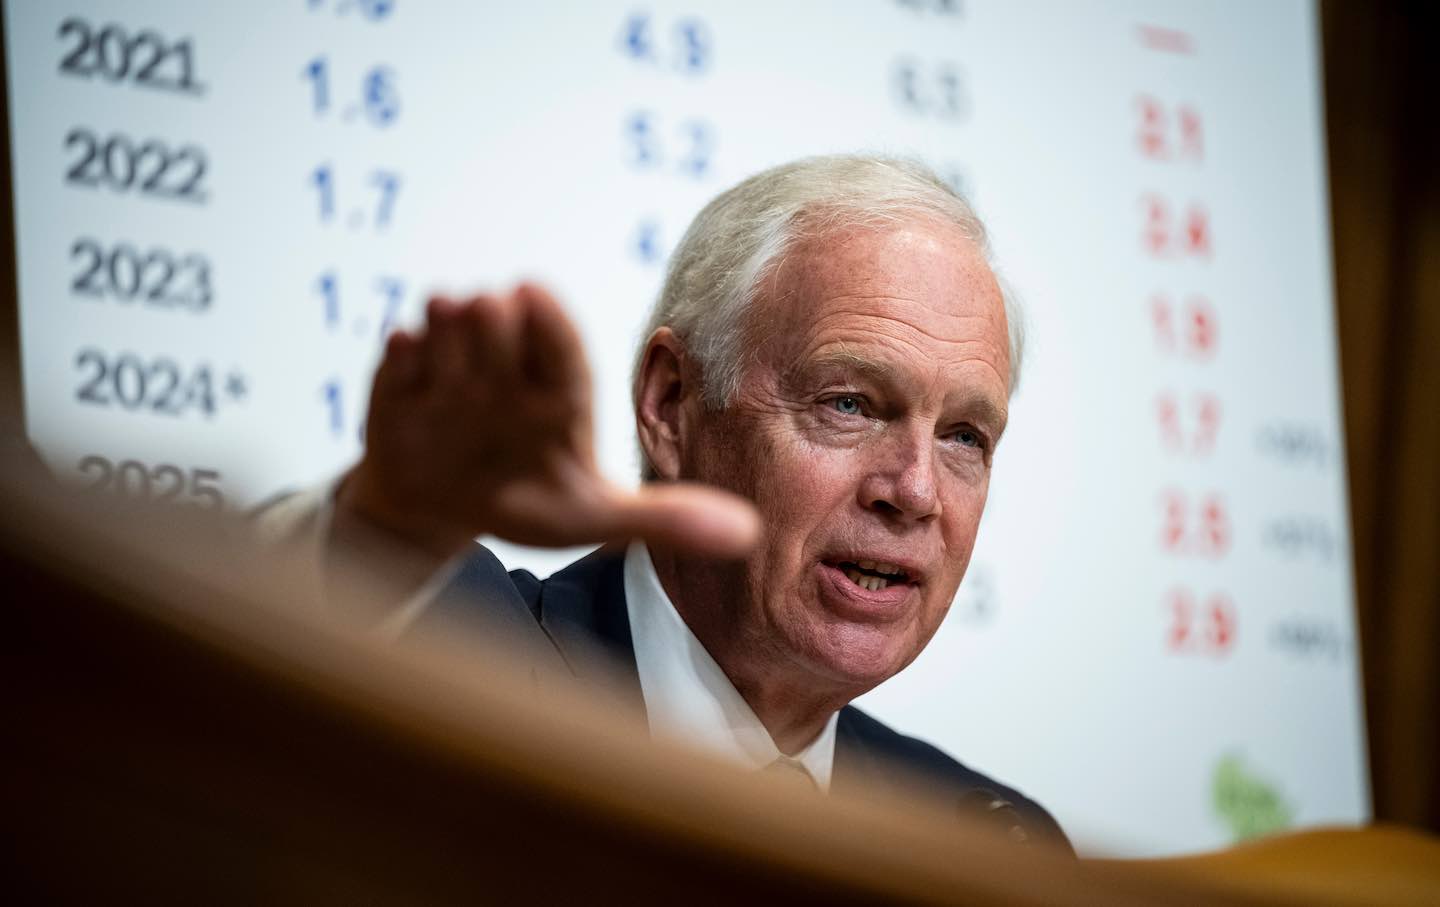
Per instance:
(665,384)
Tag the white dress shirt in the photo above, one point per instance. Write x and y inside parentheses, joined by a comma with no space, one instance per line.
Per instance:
(688,698)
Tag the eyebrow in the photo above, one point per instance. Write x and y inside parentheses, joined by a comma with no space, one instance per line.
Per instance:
(844,360)
(986,410)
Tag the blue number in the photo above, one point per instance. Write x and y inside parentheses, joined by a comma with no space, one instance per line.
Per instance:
(389,185)
(642,137)
(635,37)
(325,186)
(382,101)
(393,289)
(331,390)
(375,10)
(647,241)
(695,46)
(697,162)
(330,289)
(320,84)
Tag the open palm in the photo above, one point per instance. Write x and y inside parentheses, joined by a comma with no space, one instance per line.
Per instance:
(481,422)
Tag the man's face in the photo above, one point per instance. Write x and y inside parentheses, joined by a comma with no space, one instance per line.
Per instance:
(863,431)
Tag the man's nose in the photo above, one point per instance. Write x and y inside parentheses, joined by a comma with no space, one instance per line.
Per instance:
(900,482)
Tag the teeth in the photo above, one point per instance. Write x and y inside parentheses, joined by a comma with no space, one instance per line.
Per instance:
(866,565)
(872,583)
(887,568)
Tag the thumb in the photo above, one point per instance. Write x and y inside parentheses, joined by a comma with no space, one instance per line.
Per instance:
(696,518)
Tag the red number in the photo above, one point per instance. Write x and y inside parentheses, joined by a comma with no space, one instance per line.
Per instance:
(1208,418)
(1220,634)
(1192,134)
(1182,616)
(1210,630)
(1161,237)
(1214,537)
(1164,324)
(1210,537)
(1152,128)
(1173,529)
(1157,226)
(1173,434)
(1168,415)
(1202,327)
(1154,138)
(1197,232)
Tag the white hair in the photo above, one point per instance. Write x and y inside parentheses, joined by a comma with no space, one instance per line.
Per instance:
(741,236)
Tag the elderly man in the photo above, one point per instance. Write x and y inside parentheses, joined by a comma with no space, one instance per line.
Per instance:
(832,353)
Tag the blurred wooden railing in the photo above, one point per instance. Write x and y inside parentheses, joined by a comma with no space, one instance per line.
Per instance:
(184,725)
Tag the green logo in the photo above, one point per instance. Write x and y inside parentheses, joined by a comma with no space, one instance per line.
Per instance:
(1247,803)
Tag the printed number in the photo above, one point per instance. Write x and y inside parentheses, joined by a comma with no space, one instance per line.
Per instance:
(1163,136)
(162,482)
(130,383)
(1196,334)
(1296,536)
(1166,236)
(115,56)
(937,7)
(152,168)
(646,242)
(937,90)
(157,277)
(333,393)
(379,96)
(1295,444)
(1308,638)
(1205,629)
(1205,413)
(690,46)
(1207,536)
(374,10)
(384,183)
(697,140)
(391,291)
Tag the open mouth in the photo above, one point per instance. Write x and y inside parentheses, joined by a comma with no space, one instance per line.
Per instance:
(872,575)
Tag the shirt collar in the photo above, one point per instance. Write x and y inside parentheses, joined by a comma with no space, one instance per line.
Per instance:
(688,698)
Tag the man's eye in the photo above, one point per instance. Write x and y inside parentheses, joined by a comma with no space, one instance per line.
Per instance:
(969,438)
(849,406)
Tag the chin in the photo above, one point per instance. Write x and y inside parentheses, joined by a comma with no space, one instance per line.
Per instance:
(857,655)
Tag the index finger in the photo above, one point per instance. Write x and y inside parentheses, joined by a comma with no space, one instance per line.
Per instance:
(553,354)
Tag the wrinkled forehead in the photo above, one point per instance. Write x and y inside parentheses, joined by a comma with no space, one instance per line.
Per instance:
(925,273)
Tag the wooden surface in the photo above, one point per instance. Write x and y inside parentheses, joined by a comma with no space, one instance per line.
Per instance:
(1384,143)
(186,727)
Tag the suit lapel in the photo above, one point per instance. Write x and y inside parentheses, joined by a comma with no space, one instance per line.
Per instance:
(582,609)
(854,770)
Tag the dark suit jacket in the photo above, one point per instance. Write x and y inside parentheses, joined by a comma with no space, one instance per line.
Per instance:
(582,607)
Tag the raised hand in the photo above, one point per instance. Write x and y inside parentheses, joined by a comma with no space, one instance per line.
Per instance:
(481,423)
